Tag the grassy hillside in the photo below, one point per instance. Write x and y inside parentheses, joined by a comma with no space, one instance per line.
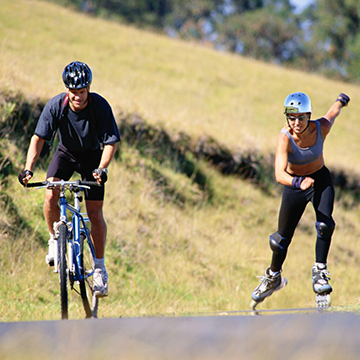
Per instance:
(184,86)
(173,246)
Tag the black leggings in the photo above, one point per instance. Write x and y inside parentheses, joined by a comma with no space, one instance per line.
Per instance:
(294,202)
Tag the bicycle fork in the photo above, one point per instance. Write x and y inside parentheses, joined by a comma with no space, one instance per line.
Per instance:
(56,255)
(63,220)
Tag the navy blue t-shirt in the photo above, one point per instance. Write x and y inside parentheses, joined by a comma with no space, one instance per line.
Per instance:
(79,131)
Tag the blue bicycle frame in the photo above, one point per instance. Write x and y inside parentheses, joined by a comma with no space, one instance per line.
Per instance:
(76,227)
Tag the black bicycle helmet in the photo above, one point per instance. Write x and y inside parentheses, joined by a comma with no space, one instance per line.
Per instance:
(77,75)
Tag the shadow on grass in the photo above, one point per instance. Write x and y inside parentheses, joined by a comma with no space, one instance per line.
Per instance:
(178,152)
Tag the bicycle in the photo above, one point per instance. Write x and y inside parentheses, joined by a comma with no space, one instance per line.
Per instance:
(75,254)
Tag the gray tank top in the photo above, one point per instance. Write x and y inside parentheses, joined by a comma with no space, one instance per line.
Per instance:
(303,156)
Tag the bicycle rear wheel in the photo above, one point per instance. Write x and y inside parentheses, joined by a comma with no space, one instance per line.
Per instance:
(87,262)
(62,269)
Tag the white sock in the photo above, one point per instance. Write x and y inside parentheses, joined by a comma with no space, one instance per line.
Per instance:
(320,266)
(273,273)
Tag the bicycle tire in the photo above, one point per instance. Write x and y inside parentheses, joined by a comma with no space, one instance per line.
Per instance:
(87,263)
(62,269)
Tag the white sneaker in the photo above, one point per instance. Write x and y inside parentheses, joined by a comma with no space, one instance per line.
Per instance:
(100,283)
(50,256)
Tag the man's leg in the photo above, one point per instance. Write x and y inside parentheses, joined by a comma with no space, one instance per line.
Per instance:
(94,210)
(52,214)
(51,208)
(60,168)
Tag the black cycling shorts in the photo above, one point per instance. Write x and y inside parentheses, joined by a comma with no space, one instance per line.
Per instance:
(65,163)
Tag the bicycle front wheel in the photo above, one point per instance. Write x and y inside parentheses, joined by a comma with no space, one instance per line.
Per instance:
(87,263)
(62,269)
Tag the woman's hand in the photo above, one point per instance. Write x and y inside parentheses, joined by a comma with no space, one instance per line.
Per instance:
(307,183)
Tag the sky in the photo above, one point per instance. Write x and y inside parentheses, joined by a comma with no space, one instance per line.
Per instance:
(300,4)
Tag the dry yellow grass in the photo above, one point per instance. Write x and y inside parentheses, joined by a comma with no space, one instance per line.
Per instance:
(184,86)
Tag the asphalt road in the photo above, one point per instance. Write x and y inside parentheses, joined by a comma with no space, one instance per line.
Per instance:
(290,336)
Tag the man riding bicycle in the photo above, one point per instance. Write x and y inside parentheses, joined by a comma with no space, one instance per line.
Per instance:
(88,136)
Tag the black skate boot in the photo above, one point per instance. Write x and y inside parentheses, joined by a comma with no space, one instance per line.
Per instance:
(269,284)
(321,286)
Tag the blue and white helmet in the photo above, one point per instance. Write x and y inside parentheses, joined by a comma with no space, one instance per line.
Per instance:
(297,102)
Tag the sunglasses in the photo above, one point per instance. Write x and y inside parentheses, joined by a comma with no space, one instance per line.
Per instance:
(300,118)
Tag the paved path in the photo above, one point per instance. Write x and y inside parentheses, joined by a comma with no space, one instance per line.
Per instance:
(290,336)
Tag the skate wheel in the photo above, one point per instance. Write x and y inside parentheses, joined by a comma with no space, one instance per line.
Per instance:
(253,304)
(322,300)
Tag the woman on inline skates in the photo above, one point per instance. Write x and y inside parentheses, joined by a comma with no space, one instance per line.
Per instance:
(299,166)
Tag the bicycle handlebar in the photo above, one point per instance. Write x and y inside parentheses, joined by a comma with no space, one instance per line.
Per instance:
(36,184)
(47,183)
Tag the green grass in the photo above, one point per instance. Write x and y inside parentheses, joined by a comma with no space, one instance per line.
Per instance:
(171,248)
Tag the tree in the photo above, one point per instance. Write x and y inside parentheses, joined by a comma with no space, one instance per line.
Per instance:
(334,44)
(324,37)
(263,34)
